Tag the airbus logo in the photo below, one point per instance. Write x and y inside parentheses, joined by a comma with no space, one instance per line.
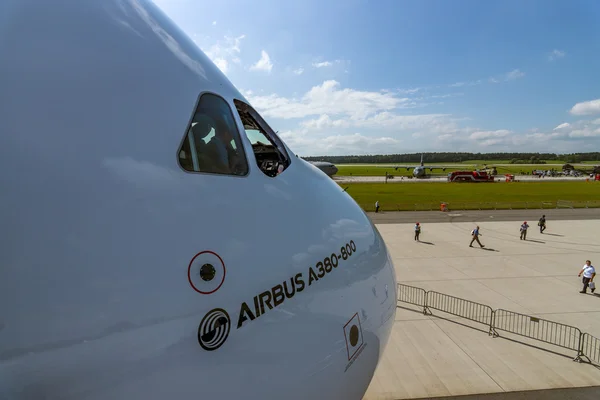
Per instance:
(214,329)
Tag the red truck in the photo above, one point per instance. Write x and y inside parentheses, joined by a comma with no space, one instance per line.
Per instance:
(470,176)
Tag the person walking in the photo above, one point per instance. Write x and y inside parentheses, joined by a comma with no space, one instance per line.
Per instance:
(524,227)
(377,206)
(542,224)
(589,272)
(417,231)
(475,237)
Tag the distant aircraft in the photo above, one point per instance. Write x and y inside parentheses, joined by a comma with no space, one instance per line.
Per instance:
(159,240)
(420,170)
(327,167)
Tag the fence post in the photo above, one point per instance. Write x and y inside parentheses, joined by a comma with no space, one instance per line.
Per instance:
(426,310)
(579,348)
(492,331)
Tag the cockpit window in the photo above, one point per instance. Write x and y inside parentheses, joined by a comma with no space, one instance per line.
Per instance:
(213,144)
(270,154)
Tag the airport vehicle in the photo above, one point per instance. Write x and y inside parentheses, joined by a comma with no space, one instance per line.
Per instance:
(159,240)
(470,176)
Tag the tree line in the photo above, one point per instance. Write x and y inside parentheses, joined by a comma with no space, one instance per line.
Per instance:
(415,158)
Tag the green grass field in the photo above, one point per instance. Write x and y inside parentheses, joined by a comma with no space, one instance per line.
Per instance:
(429,195)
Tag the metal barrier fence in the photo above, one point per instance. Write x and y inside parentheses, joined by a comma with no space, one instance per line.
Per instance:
(543,330)
(554,333)
(461,308)
(412,295)
(590,347)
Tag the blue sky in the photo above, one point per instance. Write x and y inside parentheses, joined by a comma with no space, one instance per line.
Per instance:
(398,76)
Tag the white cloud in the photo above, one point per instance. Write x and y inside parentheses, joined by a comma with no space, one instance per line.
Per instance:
(469,83)
(578,130)
(446,136)
(581,129)
(225,52)
(563,126)
(556,54)
(323,64)
(479,135)
(327,98)
(514,74)
(339,110)
(586,108)
(338,121)
(298,71)
(264,63)
(584,133)
(214,23)
(491,142)
(444,96)
(422,123)
(341,144)
(408,91)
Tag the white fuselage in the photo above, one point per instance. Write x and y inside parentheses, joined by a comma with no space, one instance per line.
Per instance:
(101,295)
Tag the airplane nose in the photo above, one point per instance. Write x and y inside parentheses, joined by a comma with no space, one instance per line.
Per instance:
(355,302)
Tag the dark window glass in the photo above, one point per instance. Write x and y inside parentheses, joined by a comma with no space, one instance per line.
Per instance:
(212,144)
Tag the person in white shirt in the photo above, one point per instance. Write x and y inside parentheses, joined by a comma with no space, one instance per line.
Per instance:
(417,231)
(377,206)
(524,227)
(589,272)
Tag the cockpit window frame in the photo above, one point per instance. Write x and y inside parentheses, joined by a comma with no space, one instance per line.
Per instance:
(234,116)
(270,134)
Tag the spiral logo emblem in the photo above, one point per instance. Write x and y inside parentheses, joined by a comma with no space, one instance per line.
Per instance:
(214,329)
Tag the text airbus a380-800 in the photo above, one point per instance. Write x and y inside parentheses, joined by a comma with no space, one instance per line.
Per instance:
(151,247)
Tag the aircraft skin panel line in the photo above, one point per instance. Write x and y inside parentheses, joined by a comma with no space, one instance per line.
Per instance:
(131,267)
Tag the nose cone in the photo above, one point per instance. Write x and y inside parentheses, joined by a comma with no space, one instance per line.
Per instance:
(340,295)
(353,301)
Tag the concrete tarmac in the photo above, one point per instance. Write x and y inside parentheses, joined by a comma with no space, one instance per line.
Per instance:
(442,355)
(588,393)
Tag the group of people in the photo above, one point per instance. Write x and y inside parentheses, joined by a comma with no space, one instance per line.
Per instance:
(588,271)
(474,233)
(525,226)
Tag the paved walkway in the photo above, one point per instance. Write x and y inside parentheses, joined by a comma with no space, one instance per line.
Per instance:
(587,393)
(429,356)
